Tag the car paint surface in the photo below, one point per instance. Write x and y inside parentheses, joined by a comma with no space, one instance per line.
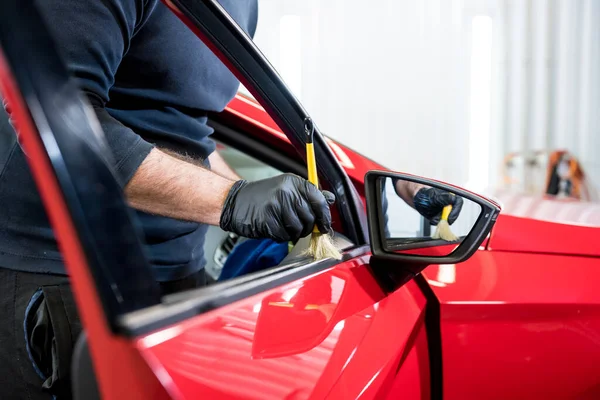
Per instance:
(528,235)
(519,325)
(334,334)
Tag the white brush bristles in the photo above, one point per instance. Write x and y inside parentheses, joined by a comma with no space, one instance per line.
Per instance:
(322,246)
(444,232)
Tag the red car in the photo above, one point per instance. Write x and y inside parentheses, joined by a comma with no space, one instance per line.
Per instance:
(508,312)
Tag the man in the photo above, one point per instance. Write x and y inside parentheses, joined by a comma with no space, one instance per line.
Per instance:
(151,82)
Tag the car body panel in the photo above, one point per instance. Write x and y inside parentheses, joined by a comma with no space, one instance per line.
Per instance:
(519,325)
(528,235)
(334,334)
(546,225)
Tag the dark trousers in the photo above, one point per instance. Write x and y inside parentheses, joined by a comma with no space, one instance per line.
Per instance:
(35,352)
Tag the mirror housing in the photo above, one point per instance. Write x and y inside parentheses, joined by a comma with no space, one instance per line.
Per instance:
(417,262)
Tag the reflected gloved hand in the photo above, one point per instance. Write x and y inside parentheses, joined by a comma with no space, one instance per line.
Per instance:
(282,208)
(430,202)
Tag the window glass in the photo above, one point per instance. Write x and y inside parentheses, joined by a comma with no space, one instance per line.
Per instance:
(247,167)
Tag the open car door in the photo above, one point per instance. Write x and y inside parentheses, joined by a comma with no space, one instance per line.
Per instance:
(306,329)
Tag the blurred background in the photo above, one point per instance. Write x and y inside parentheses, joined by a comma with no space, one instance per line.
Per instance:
(479,93)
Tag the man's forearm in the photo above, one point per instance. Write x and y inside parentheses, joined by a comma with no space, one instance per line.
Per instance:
(407,191)
(167,186)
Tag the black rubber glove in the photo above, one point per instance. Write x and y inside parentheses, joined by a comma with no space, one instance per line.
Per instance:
(283,208)
(430,202)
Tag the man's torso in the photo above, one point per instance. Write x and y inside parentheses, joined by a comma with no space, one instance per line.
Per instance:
(165,84)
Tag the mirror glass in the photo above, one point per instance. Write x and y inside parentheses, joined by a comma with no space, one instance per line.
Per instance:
(411,215)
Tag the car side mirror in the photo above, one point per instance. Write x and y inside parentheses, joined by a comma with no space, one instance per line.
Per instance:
(398,232)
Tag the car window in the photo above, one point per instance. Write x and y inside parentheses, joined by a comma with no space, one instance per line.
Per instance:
(247,167)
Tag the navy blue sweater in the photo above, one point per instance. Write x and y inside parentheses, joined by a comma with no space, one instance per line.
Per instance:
(151,82)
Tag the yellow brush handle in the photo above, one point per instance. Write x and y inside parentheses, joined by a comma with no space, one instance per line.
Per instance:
(446,212)
(312,164)
(312,170)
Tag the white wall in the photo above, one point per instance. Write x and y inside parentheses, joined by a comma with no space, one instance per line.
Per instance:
(550,71)
(393,79)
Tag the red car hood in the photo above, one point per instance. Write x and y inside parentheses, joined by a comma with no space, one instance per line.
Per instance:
(536,224)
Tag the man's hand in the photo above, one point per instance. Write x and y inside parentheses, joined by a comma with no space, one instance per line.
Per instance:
(282,208)
(430,202)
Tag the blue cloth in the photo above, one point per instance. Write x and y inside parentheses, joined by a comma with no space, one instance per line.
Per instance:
(253,255)
(151,82)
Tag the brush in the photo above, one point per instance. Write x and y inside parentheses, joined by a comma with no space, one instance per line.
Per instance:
(443,230)
(321,244)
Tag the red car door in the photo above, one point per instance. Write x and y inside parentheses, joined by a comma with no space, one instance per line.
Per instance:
(331,334)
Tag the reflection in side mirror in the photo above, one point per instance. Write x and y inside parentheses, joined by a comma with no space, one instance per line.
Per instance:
(404,213)
(411,222)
